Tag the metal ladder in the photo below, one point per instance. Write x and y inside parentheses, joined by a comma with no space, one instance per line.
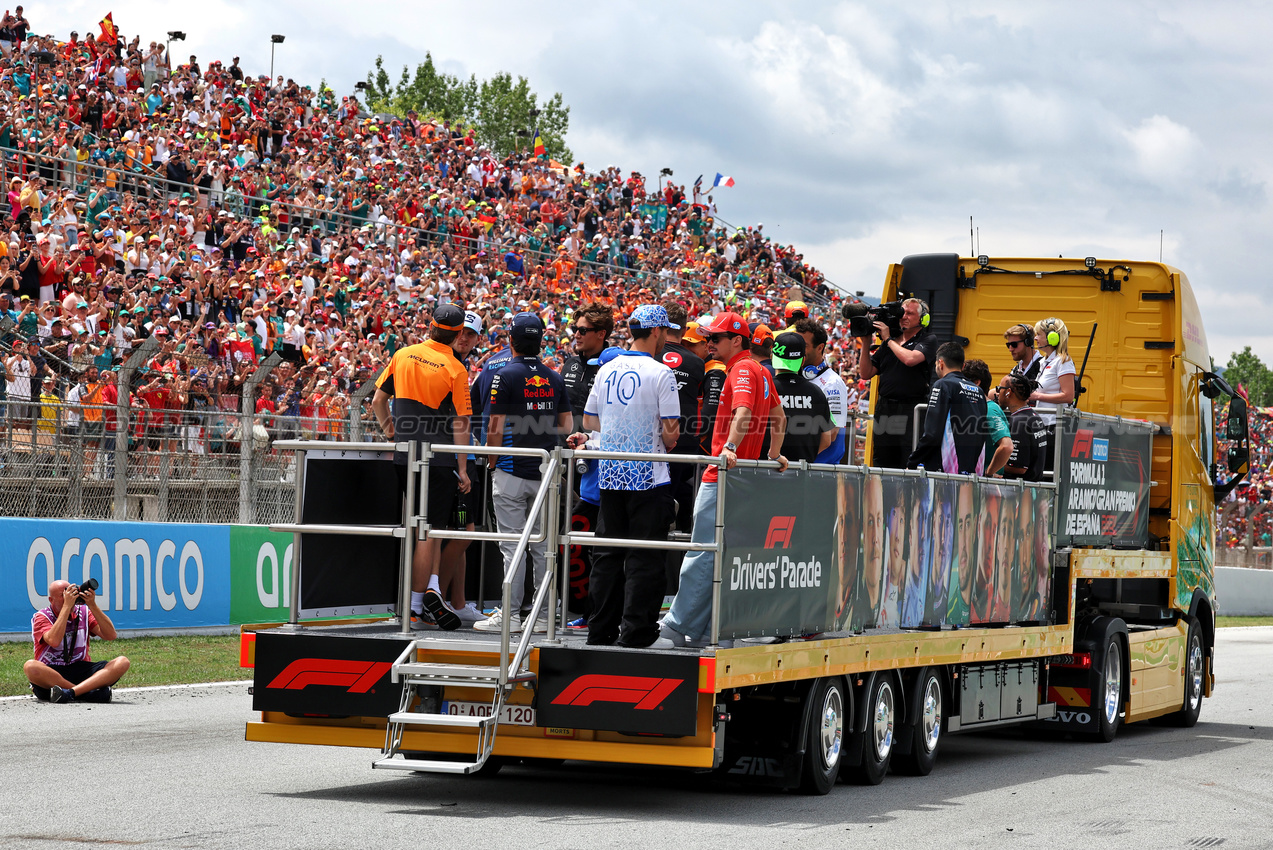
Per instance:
(414,674)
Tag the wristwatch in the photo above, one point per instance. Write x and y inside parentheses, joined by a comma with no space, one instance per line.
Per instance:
(730,447)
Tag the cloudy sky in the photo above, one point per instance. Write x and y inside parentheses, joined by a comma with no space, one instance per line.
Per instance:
(861,132)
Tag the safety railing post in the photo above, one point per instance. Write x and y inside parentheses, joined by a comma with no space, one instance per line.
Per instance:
(409,542)
(294,580)
(718,556)
(552,528)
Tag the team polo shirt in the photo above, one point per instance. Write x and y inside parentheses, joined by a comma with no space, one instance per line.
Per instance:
(430,387)
(531,396)
(833,387)
(749,385)
(632,395)
(808,416)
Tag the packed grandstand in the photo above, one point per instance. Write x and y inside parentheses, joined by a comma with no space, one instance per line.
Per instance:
(233,216)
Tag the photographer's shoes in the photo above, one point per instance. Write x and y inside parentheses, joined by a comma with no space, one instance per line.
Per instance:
(102,694)
(61,695)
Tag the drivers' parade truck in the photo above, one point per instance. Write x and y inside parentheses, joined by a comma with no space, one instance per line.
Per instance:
(860,614)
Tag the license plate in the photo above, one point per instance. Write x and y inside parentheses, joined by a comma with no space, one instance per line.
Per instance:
(511,715)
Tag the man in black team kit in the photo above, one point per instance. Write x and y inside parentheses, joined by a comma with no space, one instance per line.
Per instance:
(954,438)
(687,367)
(592,326)
(905,366)
(809,428)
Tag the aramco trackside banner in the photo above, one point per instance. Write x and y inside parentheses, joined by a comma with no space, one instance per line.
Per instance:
(852,549)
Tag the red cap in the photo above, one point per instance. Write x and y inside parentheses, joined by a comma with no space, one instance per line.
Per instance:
(726,323)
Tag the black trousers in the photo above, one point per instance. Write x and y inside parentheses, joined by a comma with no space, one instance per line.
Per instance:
(627,585)
(583,517)
(893,432)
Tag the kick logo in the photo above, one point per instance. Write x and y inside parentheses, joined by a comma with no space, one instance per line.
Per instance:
(780,530)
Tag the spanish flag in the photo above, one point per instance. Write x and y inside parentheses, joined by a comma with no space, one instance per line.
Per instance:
(538,146)
(110,34)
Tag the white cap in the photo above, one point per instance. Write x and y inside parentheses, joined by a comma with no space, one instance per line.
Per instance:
(473,321)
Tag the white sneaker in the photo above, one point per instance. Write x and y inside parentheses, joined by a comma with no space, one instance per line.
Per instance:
(469,613)
(541,624)
(495,623)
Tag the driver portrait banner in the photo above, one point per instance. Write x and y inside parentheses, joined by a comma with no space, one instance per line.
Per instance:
(1103,482)
(855,549)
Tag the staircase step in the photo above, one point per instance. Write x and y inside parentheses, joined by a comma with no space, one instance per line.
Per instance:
(427,765)
(436,669)
(429,719)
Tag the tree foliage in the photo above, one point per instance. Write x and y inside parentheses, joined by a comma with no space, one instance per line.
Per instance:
(504,111)
(1245,368)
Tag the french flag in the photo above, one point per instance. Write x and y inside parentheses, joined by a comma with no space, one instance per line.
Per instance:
(722,180)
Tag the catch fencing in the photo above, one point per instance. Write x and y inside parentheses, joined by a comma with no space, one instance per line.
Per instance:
(204,455)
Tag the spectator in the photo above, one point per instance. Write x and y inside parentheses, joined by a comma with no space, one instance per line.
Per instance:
(1056,386)
(1027,361)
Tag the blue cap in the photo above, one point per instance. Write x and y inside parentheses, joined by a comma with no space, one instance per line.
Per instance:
(651,316)
(606,356)
(527,327)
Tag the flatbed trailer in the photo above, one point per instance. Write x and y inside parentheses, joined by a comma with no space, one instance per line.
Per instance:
(806,679)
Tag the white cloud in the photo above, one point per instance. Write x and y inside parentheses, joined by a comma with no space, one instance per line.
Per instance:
(1165,151)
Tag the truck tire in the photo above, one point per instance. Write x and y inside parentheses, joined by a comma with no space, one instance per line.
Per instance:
(1195,670)
(824,740)
(881,723)
(1110,705)
(925,735)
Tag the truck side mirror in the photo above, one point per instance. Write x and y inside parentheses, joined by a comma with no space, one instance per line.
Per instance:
(1238,458)
(1235,426)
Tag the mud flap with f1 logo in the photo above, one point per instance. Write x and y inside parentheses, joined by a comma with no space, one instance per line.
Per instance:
(618,691)
(327,675)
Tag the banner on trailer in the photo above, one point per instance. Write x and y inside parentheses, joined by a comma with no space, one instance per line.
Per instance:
(1103,482)
(151,576)
(779,562)
(260,574)
(906,551)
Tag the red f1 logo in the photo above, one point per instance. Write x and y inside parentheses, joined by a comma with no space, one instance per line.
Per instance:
(643,692)
(356,677)
(1082,444)
(780,528)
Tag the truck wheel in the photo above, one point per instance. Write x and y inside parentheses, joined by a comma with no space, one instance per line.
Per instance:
(824,743)
(881,720)
(1111,692)
(926,733)
(1195,669)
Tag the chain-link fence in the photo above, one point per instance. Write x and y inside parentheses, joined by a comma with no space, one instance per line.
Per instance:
(158,446)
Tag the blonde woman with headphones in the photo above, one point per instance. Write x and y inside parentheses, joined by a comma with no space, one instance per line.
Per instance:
(1056,379)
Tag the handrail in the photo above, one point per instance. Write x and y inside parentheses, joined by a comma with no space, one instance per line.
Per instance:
(510,568)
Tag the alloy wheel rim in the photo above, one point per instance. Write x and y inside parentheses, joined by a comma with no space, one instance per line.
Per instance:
(1113,684)
(932,715)
(832,727)
(883,725)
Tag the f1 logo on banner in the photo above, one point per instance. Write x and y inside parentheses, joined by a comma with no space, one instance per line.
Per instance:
(641,692)
(356,677)
(780,529)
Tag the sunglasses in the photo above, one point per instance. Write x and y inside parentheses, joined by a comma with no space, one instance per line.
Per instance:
(715,338)
(581,329)
(1012,345)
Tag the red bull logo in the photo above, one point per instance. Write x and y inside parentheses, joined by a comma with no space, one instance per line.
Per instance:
(537,381)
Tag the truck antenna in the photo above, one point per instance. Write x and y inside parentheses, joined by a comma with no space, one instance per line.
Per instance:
(972,247)
(1079,389)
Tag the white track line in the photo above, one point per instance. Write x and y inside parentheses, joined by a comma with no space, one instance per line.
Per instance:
(155,688)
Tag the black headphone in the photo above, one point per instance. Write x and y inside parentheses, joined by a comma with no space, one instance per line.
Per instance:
(1028,336)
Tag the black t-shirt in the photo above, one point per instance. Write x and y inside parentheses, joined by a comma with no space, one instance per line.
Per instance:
(578,376)
(687,368)
(531,396)
(808,415)
(1027,431)
(906,383)
(713,385)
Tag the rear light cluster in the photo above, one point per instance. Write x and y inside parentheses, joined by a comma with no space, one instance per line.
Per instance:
(1077,661)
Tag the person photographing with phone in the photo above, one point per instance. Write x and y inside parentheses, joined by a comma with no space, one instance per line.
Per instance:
(62,670)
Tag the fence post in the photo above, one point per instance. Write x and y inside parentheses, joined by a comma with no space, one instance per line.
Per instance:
(355,409)
(122,425)
(247,448)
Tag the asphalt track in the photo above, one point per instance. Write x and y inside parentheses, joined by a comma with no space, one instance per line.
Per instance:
(170,768)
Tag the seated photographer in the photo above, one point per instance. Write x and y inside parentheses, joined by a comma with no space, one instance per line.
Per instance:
(61,670)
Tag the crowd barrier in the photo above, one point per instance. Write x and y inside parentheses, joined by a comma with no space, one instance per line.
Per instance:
(152,575)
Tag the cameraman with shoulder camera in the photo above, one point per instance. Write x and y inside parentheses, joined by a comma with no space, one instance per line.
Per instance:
(61,670)
(904,364)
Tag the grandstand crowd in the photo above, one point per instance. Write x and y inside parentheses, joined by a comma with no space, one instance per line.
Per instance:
(233,216)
